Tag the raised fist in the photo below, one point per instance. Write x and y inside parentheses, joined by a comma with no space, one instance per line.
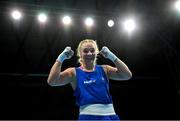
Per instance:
(108,54)
(66,54)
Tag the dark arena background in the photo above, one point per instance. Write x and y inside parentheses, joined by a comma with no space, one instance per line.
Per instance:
(150,48)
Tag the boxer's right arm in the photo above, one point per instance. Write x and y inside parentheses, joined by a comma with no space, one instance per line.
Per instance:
(58,78)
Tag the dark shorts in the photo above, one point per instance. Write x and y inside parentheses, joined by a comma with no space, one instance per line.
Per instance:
(94,117)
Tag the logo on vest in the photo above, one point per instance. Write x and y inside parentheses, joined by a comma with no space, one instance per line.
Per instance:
(89,81)
(102,78)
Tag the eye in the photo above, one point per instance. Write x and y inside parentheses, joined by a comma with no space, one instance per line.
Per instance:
(85,51)
(92,50)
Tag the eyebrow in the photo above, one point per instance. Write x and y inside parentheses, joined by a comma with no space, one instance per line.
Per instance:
(88,48)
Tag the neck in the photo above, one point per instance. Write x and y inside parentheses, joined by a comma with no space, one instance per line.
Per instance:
(88,66)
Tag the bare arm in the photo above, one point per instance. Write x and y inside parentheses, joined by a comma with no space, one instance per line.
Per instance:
(58,78)
(120,72)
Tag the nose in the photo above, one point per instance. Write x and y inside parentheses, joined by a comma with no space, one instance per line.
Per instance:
(89,53)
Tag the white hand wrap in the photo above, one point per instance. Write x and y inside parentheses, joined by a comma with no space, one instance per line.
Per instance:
(66,54)
(108,54)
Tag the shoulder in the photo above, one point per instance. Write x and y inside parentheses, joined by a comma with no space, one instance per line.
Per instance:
(104,68)
(108,68)
(71,71)
(72,74)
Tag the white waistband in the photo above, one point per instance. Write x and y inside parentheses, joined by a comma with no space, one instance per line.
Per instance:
(97,109)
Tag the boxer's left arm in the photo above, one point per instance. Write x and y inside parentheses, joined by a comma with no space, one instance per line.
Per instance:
(120,71)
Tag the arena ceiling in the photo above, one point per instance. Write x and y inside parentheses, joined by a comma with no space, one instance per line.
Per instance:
(33,48)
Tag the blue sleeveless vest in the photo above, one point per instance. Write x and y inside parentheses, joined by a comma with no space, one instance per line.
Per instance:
(92,87)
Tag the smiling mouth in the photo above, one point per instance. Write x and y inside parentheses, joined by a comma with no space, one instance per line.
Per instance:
(89,57)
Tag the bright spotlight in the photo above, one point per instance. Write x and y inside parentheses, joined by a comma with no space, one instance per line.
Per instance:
(177,5)
(129,25)
(110,23)
(16,14)
(66,20)
(42,17)
(89,22)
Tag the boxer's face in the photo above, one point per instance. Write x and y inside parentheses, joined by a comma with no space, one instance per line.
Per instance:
(88,52)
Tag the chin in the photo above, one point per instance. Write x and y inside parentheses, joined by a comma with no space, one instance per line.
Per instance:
(89,60)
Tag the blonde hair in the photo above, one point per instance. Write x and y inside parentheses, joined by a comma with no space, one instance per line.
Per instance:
(80,46)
